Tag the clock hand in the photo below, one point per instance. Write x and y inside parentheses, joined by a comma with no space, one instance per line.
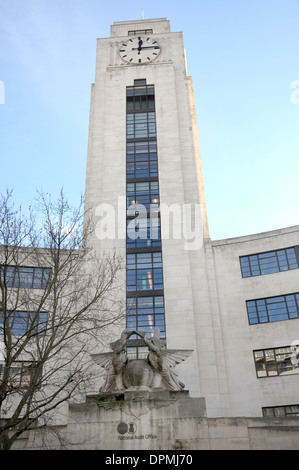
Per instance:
(147,47)
(140,42)
(151,47)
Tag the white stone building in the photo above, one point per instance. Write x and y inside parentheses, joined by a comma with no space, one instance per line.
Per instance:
(143,145)
(234,302)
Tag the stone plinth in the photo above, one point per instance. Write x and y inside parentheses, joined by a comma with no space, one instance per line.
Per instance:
(139,419)
(155,420)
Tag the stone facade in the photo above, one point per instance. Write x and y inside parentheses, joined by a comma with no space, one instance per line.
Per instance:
(247,393)
(160,420)
(204,291)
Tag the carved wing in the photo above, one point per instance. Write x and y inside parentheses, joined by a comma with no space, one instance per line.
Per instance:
(103,359)
(173,357)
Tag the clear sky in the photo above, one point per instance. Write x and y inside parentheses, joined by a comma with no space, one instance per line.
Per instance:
(243,57)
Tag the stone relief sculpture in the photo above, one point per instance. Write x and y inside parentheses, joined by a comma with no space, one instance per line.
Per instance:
(114,363)
(157,371)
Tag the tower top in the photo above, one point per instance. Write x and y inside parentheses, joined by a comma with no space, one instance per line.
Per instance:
(126,28)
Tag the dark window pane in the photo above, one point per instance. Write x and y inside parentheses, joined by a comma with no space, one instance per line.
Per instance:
(269,262)
(146,315)
(273,309)
(273,362)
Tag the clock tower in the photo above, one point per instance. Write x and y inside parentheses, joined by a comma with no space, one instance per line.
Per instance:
(144,186)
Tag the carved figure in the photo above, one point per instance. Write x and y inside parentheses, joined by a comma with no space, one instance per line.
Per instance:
(155,372)
(163,362)
(114,363)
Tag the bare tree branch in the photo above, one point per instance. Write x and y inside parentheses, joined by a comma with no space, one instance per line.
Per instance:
(58,297)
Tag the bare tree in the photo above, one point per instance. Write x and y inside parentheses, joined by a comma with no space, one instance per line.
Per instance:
(58,297)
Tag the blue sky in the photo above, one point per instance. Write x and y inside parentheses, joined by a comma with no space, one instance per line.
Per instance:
(243,57)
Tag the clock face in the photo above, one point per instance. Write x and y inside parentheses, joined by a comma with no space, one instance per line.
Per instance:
(139,50)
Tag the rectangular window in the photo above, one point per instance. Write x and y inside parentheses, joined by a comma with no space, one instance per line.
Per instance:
(144,271)
(142,160)
(24,323)
(140,89)
(143,233)
(140,98)
(140,32)
(276,361)
(137,352)
(272,309)
(141,125)
(277,411)
(144,193)
(25,277)
(145,314)
(138,82)
(270,262)
(20,373)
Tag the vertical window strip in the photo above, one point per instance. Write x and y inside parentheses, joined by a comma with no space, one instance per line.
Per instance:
(144,269)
